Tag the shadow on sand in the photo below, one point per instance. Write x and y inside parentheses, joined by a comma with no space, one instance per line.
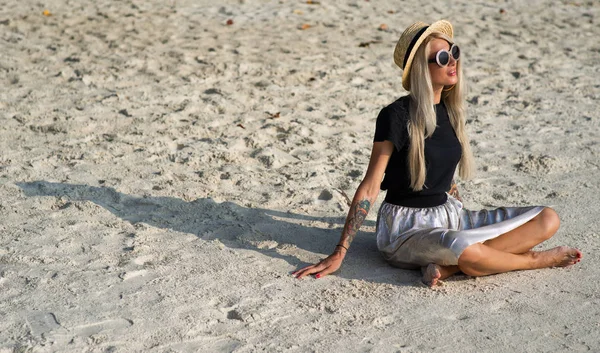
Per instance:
(235,226)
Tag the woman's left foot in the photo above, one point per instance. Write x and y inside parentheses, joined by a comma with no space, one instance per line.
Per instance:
(431,275)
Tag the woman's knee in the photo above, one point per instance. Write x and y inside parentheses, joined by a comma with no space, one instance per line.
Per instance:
(549,222)
(469,259)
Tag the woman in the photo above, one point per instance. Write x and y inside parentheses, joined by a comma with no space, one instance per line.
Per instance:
(419,141)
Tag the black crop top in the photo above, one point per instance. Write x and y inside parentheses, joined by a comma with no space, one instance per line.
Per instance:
(442,154)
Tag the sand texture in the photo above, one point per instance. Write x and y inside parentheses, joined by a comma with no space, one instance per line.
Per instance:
(162,172)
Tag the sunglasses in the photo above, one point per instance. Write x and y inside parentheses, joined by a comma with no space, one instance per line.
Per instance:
(442,57)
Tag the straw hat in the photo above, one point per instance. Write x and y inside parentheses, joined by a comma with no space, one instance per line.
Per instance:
(409,42)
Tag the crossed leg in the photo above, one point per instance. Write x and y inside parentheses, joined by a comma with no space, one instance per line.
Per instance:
(508,252)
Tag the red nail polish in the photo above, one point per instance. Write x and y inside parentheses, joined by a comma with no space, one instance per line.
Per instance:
(318,275)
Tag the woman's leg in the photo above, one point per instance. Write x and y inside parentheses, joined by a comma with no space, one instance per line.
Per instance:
(518,241)
(522,239)
(482,260)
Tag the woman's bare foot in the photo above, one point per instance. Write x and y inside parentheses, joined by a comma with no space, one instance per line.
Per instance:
(431,275)
(561,256)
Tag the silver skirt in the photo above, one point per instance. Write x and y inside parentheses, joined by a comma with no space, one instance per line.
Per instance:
(411,237)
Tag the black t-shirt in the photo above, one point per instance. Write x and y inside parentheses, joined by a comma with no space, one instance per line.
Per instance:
(442,154)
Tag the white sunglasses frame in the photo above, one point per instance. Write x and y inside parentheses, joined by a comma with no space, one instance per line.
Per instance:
(437,56)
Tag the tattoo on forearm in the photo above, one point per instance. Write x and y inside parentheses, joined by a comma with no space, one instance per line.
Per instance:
(356,217)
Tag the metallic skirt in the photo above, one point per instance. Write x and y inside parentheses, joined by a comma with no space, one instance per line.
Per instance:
(411,237)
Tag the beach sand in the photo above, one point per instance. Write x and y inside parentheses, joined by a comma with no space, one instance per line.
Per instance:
(165,165)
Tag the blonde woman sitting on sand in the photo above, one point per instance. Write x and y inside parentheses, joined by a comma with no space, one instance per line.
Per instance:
(419,140)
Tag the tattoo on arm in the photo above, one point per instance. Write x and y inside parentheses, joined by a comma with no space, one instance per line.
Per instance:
(356,216)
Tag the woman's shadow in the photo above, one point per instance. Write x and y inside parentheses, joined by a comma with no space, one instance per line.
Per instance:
(265,231)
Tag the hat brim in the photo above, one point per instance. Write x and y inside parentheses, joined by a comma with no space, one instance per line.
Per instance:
(441,26)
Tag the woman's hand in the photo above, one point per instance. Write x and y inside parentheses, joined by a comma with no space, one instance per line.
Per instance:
(365,196)
(326,266)
(454,191)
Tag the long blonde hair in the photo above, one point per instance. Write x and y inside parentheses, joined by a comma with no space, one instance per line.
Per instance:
(422,120)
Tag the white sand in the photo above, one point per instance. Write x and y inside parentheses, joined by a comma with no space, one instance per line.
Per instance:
(151,202)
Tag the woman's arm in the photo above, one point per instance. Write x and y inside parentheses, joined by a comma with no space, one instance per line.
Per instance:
(367,191)
(365,196)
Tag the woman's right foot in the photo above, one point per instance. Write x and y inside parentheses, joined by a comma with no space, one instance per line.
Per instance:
(431,275)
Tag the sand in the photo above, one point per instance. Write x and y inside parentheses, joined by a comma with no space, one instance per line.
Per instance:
(162,172)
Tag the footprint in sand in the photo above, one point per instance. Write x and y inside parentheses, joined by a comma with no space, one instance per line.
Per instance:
(125,276)
(142,260)
(100,326)
(42,322)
